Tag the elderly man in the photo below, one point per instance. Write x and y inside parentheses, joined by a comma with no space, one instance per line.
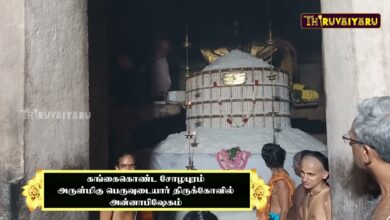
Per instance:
(314,174)
(369,138)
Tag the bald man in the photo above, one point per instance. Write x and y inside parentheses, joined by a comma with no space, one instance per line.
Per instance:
(125,162)
(314,173)
(300,192)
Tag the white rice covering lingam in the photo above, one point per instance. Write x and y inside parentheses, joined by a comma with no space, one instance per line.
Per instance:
(172,153)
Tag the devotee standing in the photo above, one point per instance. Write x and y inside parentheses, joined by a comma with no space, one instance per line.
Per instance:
(314,174)
(160,77)
(281,185)
(125,162)
(369,138)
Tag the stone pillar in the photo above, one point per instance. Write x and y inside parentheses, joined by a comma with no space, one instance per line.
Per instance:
(11,100)
(98,86)
(355,67)
(44,70)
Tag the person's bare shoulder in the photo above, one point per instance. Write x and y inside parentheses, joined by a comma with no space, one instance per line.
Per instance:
(281,185)
(299,194)
(105,215)
(300,189)
(327,199)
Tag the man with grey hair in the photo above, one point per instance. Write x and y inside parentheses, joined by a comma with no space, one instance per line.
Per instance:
(369,138)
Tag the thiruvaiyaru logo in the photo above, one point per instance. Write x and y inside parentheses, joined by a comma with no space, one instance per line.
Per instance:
(322,20)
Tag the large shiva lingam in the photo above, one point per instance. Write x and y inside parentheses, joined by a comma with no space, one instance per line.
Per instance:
(234,106)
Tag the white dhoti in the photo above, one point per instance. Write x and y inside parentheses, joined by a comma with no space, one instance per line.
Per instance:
(161,81)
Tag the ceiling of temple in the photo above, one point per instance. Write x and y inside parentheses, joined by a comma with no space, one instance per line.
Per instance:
(134,24)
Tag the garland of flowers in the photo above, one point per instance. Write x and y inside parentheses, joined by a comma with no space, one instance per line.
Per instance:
(33,191)
(233,158)
(260,191)
(244,118)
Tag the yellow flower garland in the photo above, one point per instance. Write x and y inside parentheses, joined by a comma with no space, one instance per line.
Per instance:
(33,191)
(259,191)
